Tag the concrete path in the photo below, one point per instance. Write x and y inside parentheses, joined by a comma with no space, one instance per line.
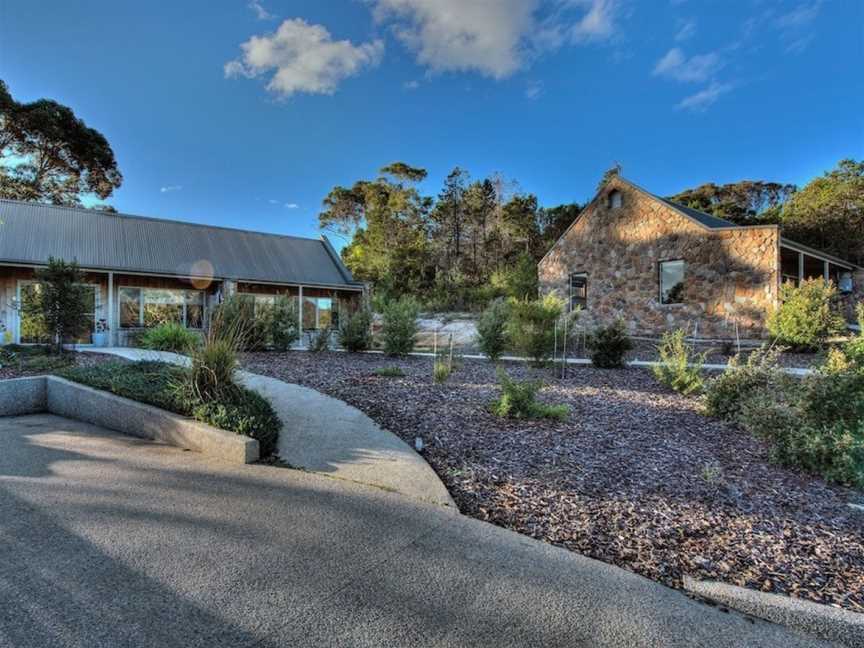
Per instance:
(325,435)
(112,542)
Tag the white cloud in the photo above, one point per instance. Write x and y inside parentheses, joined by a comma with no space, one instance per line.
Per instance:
(303,58)
(686,30)
(291,205)
(411,85)
(488,36)
(599,21)
(170,188)
(799,17)
(534,90)
(260,12)
(493,37)
(701,100)
(675,65)
(273,201)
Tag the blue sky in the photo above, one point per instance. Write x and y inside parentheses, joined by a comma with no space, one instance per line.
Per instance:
(246,114)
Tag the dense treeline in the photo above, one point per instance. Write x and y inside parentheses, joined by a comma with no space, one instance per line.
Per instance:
(479,239)
(828,213)
(476,240)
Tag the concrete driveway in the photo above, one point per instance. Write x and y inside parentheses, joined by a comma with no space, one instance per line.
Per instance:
(109,541)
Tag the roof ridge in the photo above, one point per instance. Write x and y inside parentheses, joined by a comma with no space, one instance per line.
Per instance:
(106,214)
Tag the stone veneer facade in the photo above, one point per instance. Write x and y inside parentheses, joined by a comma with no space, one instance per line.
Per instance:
(731,275)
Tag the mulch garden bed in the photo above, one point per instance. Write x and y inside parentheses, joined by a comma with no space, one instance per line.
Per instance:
(635,476)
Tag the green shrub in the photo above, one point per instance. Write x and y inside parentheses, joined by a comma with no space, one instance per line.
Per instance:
(805,318)
(725,394)
(816,424)
(531,326)
(156,383)
(355,331)
(854,348)
(252,324)
(320,340)
(678,369)
(390,372)
(244,412)
(609,345)
(169,336)
(831,448)
(399,326)
(492,329)
(519,400)
(284,323)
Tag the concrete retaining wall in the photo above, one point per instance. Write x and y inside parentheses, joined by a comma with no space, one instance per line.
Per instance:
(72,400)
(20,396)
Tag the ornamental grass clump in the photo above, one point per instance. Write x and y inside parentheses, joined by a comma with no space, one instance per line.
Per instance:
(609,345)
(519,400)
(679,369)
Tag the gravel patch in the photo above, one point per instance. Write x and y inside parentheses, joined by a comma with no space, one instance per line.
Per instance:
(636,476)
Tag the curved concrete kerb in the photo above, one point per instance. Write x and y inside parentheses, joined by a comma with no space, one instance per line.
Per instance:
(325,435)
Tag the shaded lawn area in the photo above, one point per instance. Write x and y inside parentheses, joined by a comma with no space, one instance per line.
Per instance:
(635,476)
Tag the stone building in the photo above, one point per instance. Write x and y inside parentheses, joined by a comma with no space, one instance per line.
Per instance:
(662,266)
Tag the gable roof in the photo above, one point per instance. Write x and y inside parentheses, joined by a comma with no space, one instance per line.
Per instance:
(32,232)
(708,221)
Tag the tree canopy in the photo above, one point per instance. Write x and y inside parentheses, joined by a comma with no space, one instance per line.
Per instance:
(47,154)
(474,241)
(747,202)
(828,213)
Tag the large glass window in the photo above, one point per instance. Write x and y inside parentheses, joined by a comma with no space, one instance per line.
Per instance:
(672,282)
(318,313)
(146,307)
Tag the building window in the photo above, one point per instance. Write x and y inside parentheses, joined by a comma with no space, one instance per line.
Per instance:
(578,291)
(318,313)
(146,307)
(672,282)
(615,199)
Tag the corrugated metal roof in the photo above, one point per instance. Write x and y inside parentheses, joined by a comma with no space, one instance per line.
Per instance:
(31,232)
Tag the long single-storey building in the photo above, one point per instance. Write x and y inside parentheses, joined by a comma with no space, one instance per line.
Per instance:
(144,271)
(661,266)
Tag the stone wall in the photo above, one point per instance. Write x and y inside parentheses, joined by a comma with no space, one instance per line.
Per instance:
(731,275)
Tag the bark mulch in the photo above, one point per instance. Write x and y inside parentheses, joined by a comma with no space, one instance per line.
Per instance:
(636,476)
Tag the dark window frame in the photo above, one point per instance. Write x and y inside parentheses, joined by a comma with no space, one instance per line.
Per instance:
(660,280)
(583,301)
